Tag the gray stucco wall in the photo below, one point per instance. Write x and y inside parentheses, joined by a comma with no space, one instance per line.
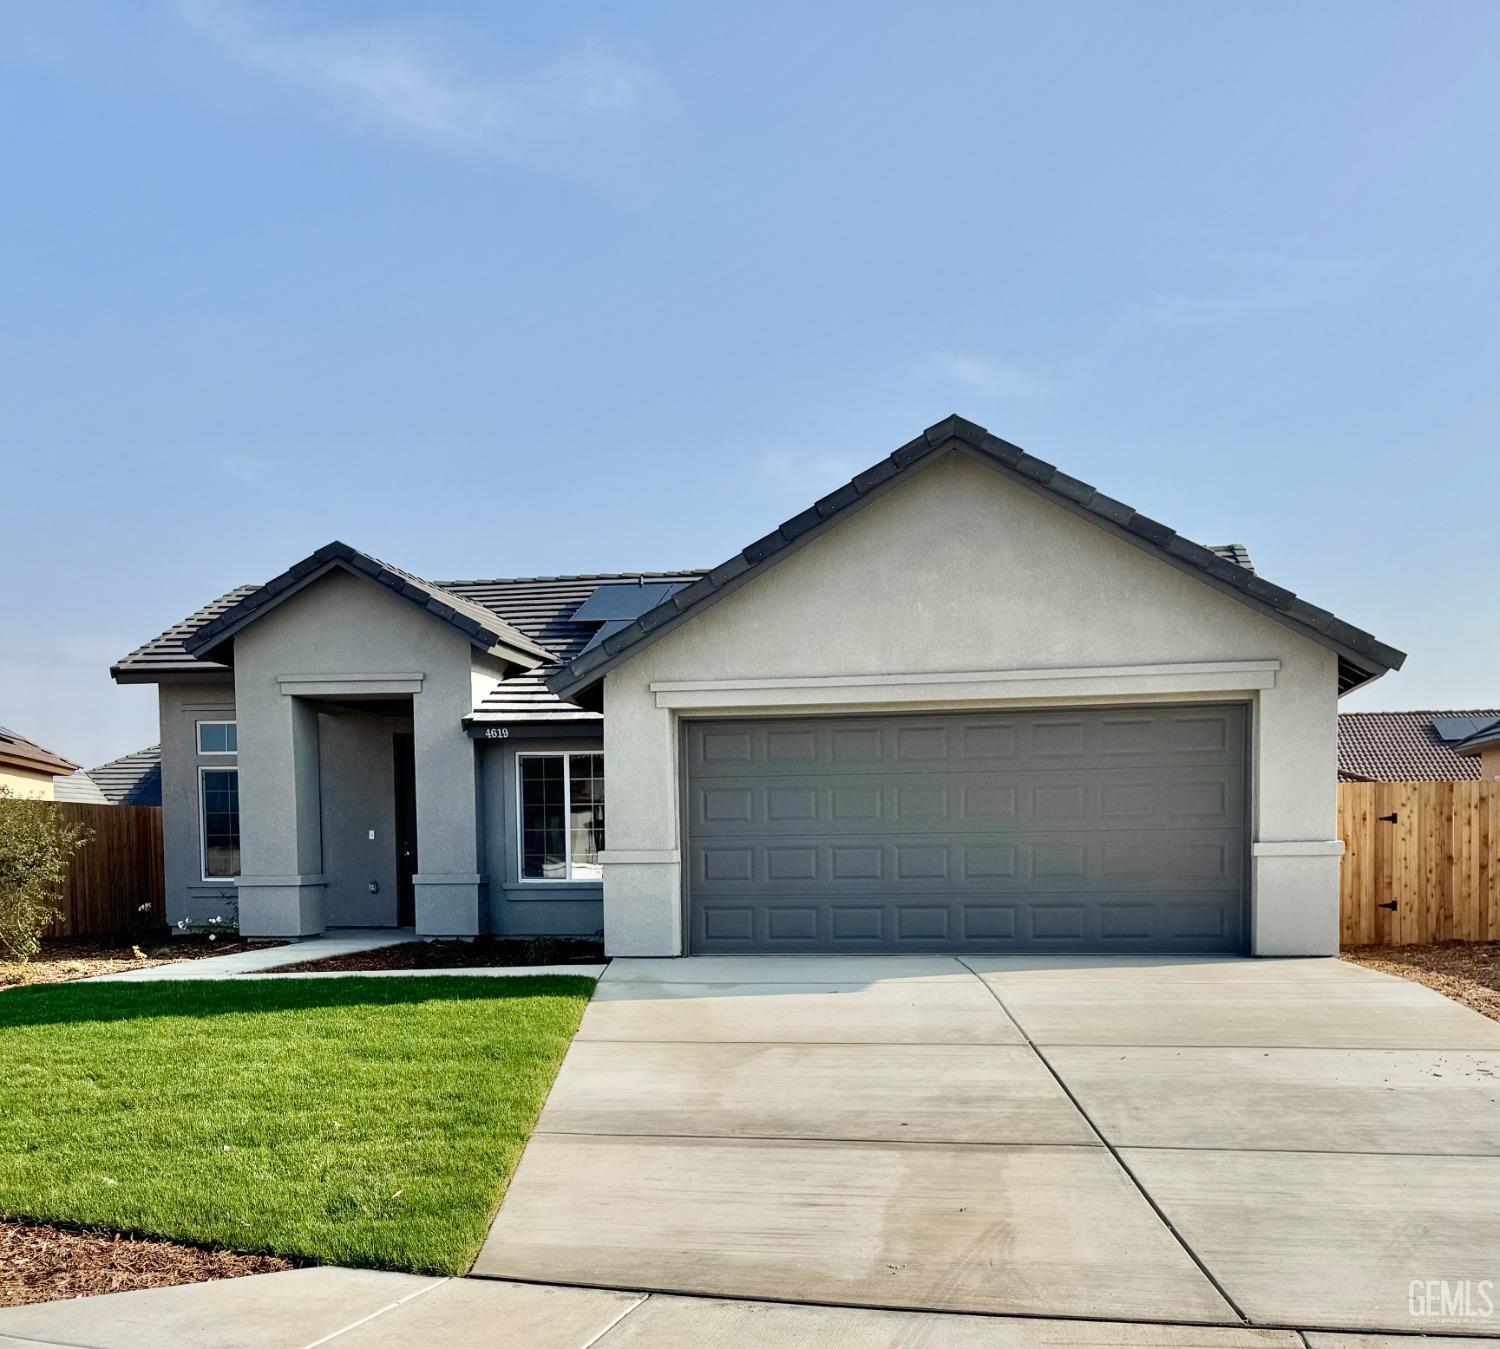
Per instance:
(520,908)
(958,588)
(344,636)
(181,707)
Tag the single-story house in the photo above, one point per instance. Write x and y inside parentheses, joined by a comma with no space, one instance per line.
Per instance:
(131,780)
(26,769)
(1419,746)
(966,702)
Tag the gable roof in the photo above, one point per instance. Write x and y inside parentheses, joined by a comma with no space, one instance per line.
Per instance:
(1404,747)
(482,627)
(1361,656)
(26,756)
(78,789)
(541,608)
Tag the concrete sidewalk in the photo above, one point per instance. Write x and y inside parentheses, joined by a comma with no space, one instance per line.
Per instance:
(364,1309)
(1223,1142)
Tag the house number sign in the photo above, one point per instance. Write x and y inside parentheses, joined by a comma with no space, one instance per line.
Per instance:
(497,732)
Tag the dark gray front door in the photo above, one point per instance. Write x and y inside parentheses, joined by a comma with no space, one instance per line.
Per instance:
(1082,829)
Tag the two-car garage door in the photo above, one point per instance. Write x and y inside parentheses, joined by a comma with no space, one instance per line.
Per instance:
(1081,829)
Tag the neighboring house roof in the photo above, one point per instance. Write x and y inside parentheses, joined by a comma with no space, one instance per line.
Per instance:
(1361,656)
(26,756)
(482,627)
(133,779)
(1407,746)
(79,789)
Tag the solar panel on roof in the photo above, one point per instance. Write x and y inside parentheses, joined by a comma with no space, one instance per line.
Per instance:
(626,601)
(1451,729)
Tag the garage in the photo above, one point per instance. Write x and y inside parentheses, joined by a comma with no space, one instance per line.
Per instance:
(1099,829)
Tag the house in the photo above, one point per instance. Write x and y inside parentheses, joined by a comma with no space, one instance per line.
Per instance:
(1419,746)
(27,769)
(131,780)
(966,702)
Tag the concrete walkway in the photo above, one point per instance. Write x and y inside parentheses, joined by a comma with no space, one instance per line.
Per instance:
(1222,1142)
(257,960)
(268,962)
(363,1309)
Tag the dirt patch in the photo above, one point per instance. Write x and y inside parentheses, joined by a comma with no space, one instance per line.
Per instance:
(44,1264)
(480,953)
(61,961)
(1468,972)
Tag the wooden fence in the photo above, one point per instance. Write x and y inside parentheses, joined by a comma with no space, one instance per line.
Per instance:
(119,870)
(1421,862)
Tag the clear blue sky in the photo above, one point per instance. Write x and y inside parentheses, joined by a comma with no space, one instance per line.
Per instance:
(497,290)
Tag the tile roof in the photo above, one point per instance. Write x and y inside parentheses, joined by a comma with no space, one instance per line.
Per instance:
(78,789)
(1401,747)
(1361,656)
(16,751)
(538,608)
(132,779)
(483,627)
(166,652)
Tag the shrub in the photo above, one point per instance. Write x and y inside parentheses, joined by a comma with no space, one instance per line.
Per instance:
(36,846)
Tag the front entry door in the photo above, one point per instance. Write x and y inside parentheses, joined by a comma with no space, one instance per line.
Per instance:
(406,829)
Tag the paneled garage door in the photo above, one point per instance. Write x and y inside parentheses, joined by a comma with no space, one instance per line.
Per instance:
(1097,829)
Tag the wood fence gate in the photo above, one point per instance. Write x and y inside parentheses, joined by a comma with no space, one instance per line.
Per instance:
(1421,862)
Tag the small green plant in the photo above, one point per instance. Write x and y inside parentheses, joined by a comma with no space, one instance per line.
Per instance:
(37,845)
(218,929)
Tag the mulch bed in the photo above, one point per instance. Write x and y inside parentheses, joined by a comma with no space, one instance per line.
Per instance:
(480,953)
(44,1264)
(1467,972)
(62,960)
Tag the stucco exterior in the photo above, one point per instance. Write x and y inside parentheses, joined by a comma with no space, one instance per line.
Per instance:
(37,786)
(960,588)
(181,707)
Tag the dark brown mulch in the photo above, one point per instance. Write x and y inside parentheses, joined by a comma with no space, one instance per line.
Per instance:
(460,955)
(1466,971)
(44,1264)
(62,960)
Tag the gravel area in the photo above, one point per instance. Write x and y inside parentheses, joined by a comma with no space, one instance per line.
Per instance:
(1467,972)
(61,961)
(481,953)
(44,1264)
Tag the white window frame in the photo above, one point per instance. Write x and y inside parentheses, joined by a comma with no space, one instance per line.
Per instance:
(216,753)
(203,826)
(566,755)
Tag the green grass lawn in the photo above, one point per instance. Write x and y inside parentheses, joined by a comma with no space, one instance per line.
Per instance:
(351,1121)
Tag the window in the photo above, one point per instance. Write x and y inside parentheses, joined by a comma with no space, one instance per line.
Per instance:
(219,818)
(218,737)
(562,816)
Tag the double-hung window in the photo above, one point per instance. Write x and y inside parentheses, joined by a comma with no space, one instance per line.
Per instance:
(219,801)
(561,816)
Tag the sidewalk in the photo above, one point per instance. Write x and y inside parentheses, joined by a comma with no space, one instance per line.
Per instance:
(362,1309)
(341,943)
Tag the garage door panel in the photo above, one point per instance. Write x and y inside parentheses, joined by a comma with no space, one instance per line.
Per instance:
(1022,803)
(1049,829)
(1028,741)
(1187,923)
(1154,860)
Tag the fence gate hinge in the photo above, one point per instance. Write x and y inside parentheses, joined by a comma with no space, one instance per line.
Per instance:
(1389,904)
(1387,819)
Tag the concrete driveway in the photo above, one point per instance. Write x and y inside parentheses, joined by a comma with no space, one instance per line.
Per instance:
(1301,1144)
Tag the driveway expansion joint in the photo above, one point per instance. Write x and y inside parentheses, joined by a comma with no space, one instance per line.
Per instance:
(1114,1152)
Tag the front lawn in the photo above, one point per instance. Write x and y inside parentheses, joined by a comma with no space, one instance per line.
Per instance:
(350,1121)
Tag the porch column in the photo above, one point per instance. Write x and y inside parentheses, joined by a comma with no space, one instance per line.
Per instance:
(281,838)
(448,884)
